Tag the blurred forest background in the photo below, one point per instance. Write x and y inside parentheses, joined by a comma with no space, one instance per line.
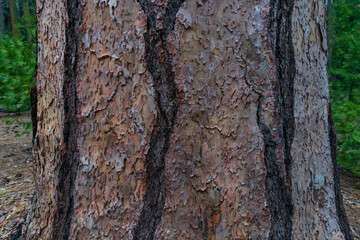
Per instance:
(18,62)
(17,53)
(344,79)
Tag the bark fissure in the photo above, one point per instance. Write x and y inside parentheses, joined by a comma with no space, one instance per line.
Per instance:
(70,156)
(340,211)
(278,196)
(159,64)
(278,184)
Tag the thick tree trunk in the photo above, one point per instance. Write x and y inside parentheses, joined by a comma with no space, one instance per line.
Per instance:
(184,119)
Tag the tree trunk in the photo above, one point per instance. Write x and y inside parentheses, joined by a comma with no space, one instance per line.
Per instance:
(13,17)
(184,120)
(26,10)
(2,20)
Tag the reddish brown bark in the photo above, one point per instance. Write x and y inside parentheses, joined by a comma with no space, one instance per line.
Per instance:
(13,17)
(183,120)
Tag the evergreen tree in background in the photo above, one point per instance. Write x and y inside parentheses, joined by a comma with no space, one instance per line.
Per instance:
(17,53)
(344,70)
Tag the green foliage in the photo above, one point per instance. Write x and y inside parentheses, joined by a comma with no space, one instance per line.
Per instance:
(357,186)
(344,70)
(347,123)
(17,68)
(9,121)
(18,58)
(27,127)
(345,43)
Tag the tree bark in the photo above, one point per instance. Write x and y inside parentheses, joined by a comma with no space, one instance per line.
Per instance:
(184,119)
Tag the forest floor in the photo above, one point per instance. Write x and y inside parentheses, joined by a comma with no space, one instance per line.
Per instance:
(16,180)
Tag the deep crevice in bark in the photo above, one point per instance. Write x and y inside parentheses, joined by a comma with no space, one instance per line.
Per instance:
(277,193)
(70,156)
(159,64)
(340,211)
(278,184)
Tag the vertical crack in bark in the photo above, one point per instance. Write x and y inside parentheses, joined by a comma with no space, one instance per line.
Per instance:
(70,156)
(159,64)
(278,184)
(340,211)
(278,195)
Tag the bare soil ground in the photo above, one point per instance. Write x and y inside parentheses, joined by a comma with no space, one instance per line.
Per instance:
(16,180)
(351,196)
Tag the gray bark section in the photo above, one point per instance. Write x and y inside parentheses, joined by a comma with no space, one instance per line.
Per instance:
(313,176)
